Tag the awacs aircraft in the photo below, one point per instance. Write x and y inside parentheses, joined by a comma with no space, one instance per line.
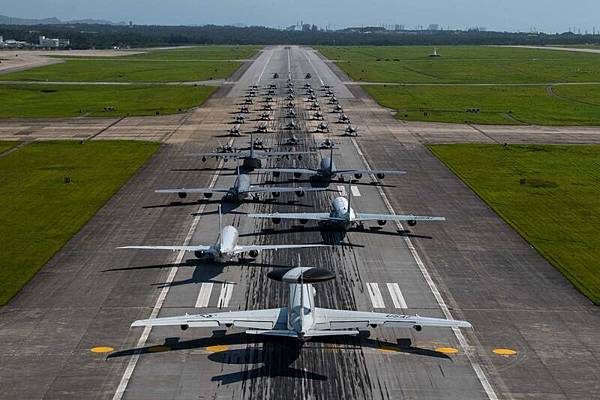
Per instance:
(301,319)
(241,190)
(226,248)
(328,171)
(252,157)
(343,216)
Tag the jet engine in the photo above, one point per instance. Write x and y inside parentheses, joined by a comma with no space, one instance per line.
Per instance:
(418,328)
(200,254)
(276,220)
(184,327)
(276,174)
(253,253)
(182,195)
(203,159)
(412,222)
(303,221)
(381,222)
(358,176)
(208,195)
(300,193)
(276,194)
(297,174)
(380,175)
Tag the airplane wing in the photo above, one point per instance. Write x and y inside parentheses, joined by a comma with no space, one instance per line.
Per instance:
(237,154)
(309,216)
(328,319)
(193,190)
(256,319)
(269,154)
(368,171)
(303,171)
(243,249)
(395,217)
(172,248)
(254,189)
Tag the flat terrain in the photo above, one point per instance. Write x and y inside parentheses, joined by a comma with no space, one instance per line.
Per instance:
(47,100)
(5,145)
(534,335)
(548,193)
(39,211)
(508,85)
(188,64)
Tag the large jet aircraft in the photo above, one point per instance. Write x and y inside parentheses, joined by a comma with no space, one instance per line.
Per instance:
(301,319)
(328,171)
(252,157)
(226,248)
(343,216)
(241,190)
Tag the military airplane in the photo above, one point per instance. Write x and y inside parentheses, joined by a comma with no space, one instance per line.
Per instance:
(292,141)
(323,127)
(235,130)
(318,115)
(226,248)
(262,127)
(350,131)
(301,319)
(327,171)
(342,216)
(343,119)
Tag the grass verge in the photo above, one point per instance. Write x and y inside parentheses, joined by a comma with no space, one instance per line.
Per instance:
(547,193)
(39,212)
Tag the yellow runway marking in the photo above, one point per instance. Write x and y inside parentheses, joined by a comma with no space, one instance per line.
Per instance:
(446,350)
(389,349)
(158,349)
(217,348)
(504,352)
(101,349)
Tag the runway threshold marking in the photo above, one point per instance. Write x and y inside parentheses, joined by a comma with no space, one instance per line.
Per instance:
(375,295)
(396,294)
(204,295)
(163,294)
(462,340)
(225,295)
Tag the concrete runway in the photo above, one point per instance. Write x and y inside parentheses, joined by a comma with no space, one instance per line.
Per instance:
(472,267)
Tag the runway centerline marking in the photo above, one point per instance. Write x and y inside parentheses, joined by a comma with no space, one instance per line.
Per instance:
(163,294)
(396,294)
(225,295)
(313,67)
(462,340)
(375,295)
(265,66)
(355,191)
(204,295)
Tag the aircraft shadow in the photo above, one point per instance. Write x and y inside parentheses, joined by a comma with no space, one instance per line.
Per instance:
(332,235)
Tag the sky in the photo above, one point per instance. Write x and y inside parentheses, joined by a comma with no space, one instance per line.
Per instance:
(509,15)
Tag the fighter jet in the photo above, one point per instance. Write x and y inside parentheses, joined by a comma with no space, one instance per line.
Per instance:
(326,144)
(318,115)
(235,130)
(226,248)
(275,75)
(350,131)
(315,105)
(333,100)
(240,119)
(291,125)
(325,87)
(252,157)
(306,85)
(272,86)
(322,127)
(301,319)
(311,97)
(291,113)
(342,216)
(248,100)
(244,110)
(343,119)
(338,109)
(268,99)
(307,76)
(267,107)
(225,148)
(290,97)
(262,127)
(270,92)
(290,104)
(329,93)
(265,116)
(327,171)
(292,141)
(241,190)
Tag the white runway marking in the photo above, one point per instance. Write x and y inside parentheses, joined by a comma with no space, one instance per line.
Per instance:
(342,190)
(375,295)
(204,295)
(355,191)
(225,296)
(396,294)
(462,340)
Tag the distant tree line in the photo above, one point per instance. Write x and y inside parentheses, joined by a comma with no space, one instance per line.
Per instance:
(84,36)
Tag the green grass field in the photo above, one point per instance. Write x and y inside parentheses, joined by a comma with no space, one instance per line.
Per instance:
(192,64)
(39,212)
(562,105)
(76,100)
(441,89)
(7,144)
(548,193)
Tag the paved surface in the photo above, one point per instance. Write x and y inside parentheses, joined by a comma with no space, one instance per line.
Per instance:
(575,49)
(473,266)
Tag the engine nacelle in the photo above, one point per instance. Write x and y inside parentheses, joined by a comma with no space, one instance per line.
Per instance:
(381,222)
(253,253)
(182,195)
(276,220)
(297,174)
(203,159)
(276,174)
(380,175)
(303,221)
(208,195)
(300,193)
(184,327)
(276,194)
(418,328)
(358,176)
(412,222)
(300,157)
(200,254)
